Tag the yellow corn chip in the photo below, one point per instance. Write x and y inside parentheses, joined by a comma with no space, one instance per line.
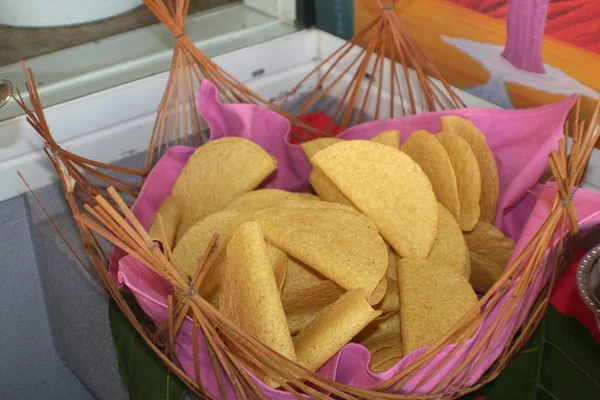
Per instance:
(333,328)
(386,357)
(490,184)
(450,248)
(431,155)
(193,244)
(388,187)
(337,241)
(392,272)
(384,331)
(217,173)
(170,212)
(490,252)
(249,296)
(260,199)
(302,306)
(279,262)
(468,178)
(389,138)
(326,189)
(312,147)
(432,299)
(299,277)
(391,300)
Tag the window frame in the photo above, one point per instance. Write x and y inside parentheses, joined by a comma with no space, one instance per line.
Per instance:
(83,70)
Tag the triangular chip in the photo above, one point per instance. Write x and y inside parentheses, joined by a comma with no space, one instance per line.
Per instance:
(249,296)
(432,299)
(337,241)
(450,248)
(312,147)
(260,199)
(490,184)
(326,189)
(170,212)
(389,138)
(333,328)
(468,178)
(217,173)
(490,252)
(432,157)
(388,187)
(302,306)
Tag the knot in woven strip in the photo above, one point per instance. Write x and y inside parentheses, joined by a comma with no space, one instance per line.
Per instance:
(182,34)
(52,147)
(190,293)
(570,199)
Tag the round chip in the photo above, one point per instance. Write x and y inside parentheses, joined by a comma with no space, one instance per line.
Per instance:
(490,183)
(432,157)
(217,173)
(312,147)
(450,248)
(336,241)
(432,299)
(388,187)
(468,178)
(389,138)
(170,213)
(264,198)
(490,252)
(249,296)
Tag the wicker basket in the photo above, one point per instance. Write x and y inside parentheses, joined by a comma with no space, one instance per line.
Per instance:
(99,203)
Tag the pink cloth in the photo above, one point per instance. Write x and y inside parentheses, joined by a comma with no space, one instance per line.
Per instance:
(520,140)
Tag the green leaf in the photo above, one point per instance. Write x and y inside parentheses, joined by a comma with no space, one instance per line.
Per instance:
(144,373)
(560,362)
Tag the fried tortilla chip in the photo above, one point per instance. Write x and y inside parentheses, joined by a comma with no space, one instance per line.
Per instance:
(384,331)
(193,244)
(279,262)
(391,300)
(249,296)
(388,187)
(170,213)
(333,328)
(433,158)
(490,183)
(389,138)
(432,299)
(450,248)
(302,306)
(326,189)
(392,272)
(299,277)
(217,173)
(312,147)
(468,178)
(260,199)
(386,357)
(490,252)
(337,241)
